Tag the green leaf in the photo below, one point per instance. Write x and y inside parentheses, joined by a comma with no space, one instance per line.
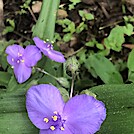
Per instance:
(4,78)
(89,16)
(81,27)
(115,39)
(8,29)
(85,15)
(100,46)
(130,62)
(75,1)
(128,29)
(103,68)
(119,101)
(70,28)
(64,93)
(67,37)
(82,56)
(130,65)
(45,25)
(13,116)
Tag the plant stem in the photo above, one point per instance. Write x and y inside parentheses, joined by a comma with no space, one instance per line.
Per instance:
(41,70)
(72,85)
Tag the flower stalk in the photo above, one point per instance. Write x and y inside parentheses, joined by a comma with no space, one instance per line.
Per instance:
(72,85)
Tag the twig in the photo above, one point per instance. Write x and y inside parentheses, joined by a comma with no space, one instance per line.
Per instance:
(31,12)
(21,35)
(73,53)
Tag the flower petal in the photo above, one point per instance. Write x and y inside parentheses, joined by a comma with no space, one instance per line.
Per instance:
(48,131)
(22,72)
(84,114)
(14,50)
(57,131)
(41,101)
(32,55)
(56,56)
(39,43)
(48,51)
(11,60)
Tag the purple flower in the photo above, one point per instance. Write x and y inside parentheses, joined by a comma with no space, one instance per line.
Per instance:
(47,49)
(82,114)
(22,60)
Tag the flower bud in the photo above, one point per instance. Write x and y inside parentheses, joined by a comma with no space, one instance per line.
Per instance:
(72,66)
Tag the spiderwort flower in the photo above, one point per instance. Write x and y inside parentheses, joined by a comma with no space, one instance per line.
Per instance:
(47,49)
(22,60)
(82,114)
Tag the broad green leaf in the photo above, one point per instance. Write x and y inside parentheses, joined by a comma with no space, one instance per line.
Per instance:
(45,25)
(119,101)
(103,68)
(13,116)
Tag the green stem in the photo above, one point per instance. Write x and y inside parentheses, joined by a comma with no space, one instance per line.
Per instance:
(72,86)
(41,70)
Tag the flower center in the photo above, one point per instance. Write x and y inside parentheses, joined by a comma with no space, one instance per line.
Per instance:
(19,59)
(56,122)
(49,46)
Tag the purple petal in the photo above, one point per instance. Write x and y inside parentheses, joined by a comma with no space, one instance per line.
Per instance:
(39,43)
(84,114)
(11,60)
(22,72)
(32,55)
(56,56)
(47,50)
(14,50)
(56,131)
(41,102)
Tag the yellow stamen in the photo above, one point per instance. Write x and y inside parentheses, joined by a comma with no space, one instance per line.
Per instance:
(46,120)
(19,54)
(52,128)
(54,118)
(22,61)
(62,128)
